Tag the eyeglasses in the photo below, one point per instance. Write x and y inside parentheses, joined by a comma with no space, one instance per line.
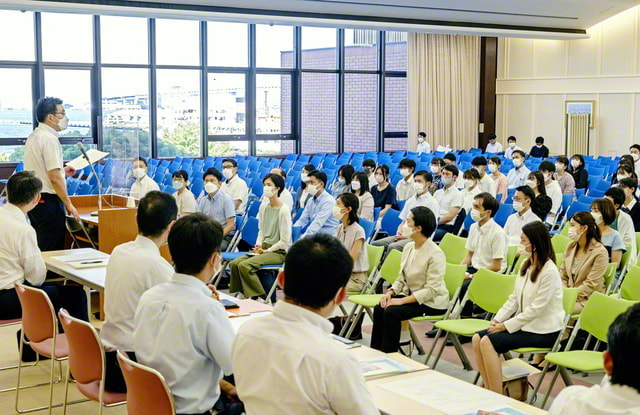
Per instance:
(60,113)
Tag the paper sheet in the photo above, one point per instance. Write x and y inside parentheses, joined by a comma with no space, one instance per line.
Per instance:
(89,256)
(377,367)
(80,162)
(446,394)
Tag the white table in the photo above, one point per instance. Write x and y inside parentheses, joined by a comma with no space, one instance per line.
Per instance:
(89,277)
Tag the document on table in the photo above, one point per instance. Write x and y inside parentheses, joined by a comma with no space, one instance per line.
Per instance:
(86,260)
(377,367)
(446,394)
(80,162)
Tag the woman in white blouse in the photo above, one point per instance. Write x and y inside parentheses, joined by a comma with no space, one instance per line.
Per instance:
(352,236)
(184,198)
(471,188)
(532,316)
(419,289)
(360,188)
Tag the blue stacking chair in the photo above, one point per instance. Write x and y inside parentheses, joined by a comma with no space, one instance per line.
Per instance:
(390,222)
(503,213)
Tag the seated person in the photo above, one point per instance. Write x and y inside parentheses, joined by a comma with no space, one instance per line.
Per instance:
(180,329)
(471,188)
(542,203)
(498,177)
(585,259)
(487,184)
(234,186)
(369,168)
(285,196)
(360,188)
(20,257)
(298,367)
(422,198)
(532,316)
(317,217)
(620,394)
(604,214)
(419,289)
(522,200)
(303,195)
(450,200)
(519,174)
(511,147)
(552,188)
(404,188)
(577,171)
(631,205)
(634,151)
(563,177)
(539,150)
(217,205)
(184,198)
(623,222)
(133,268)
(625,170)
(436,170)
(352,236)
(493,146)
(274,238)
(343,184)
(449,158)
(384,193)
(143,184)
(423,145)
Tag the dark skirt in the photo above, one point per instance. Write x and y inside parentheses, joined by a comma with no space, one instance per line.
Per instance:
(504,341)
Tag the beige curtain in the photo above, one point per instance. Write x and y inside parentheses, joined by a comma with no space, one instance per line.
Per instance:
(443,78)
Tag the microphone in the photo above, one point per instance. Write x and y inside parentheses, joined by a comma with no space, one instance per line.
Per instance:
(93,172)
(83,151)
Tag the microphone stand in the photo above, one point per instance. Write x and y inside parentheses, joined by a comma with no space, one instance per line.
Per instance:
(93,171)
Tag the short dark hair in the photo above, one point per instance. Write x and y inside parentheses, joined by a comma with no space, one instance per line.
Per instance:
(352,201)
(369,163)
(606,208)
(309,167)
(562,160)
(277,180)
(617,195)
(320,175)
(542,189)
(511,138)
(527,192)
(212,171)
(479,161)
(142,159)
(471,174)
(492,136)
(408,163)
(282,172)
(363,179)
(424,217)
(181,174)
(192,241)
(422,134)
(450,156)
(629,183)
(438,161)
(636,146)
(539,140)
(233,162)
(346,171)
(579,158)
(316,268)
(156,210)
(384,169)
(626,168)
(495,160)
(425,174)
(524,156)
(23,187)
(623,341)
(488,202)
(453,169)
(46,106)
(547,166)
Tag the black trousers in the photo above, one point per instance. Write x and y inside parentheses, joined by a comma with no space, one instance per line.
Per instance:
(113,378)
(48,219)
(387,323)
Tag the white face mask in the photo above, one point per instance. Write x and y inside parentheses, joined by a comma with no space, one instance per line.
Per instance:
(546,176)
(341,180)
(177,185)
(312,189)
(493,168)
(139,172)
(539,145)
(217,268)
(210,187)
(476,215)
(480,170)
(404,172)
(420,139)
(469,184)
(304,177)
(355,185)
(597,216)
(559,167)
(574,234)
(518,206)
(575,163)
(532,184)
(522,250)
(635,156)
(512,145)
(419,187)
(337,212)
(227,173)
(268,191)
(406,230)
(63,123)
(447,181)
(379,178)
(435,169)
(517,162)
(621,176)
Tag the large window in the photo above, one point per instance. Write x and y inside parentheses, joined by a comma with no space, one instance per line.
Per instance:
(66,37)
(124,39)
(16,32)
(74,87)
(177,42)
(274,46)
(227,104)
(319,112)
(16,114)
(273,104)
(228,44)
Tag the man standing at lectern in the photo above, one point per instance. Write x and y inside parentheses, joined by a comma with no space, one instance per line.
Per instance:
(43,155)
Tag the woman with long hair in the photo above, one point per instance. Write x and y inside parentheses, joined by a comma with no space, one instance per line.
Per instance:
(542,204)
(604,213)
(360,188)
(352,236)
(303,195)
(577,170)
(384,193)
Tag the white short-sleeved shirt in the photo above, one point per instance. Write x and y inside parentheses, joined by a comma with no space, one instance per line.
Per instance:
(447,199)
(487,242)
(348,236)
(405,189)
(597,400)
(140,188)
(425,200)
(494,148)
(487,184)
(43,153)
(468,197)
(186,202)
(555,193)
(238,190)
(515,222)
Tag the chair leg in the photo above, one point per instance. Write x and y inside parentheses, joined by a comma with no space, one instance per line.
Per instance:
(433,346)
(345,326)
(343,310)
(539,383)
(444,343)
(354,322)
(461,354)
(66,393)
(546,395)
(416,340)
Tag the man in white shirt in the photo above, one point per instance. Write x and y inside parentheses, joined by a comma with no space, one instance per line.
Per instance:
(619,395)
(234,186)
(519,174)
(486,183)
(493,146)
(143,184)
(302,369)
(623,223)
(634,150)
(450,200)
(423,146)
(404,188)
(522,200)
(180,329)
(43,155)
(511,147)
(369,167)
(285,196)
(554,191)
(133,268)
(422,182)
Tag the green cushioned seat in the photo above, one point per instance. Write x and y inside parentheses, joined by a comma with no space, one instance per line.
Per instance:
(582,360)
(366,300)
(429,318)
(464,327)
(526,350)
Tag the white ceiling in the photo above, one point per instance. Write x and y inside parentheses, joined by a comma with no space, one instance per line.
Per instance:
(522,18)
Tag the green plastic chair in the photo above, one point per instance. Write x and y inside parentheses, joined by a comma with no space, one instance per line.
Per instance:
(559,260)
(595,319)
(374,254)
(609,273)
(389,271)
(638,239)
(630,287)
(560,243)
(518,264)
(511,256)
(453,278)
(565,229)
(489,290)
(454,248)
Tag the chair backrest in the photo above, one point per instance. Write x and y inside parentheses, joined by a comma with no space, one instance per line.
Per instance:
(253,209)
(453,278)
(609,274)
(503,213)
(86,355)
(38,318)
(490,290)
(630,288)
(569,297)
(374,253)
(599,312)
(559,243)
(391,266)
(454,248)
(369,228)
(147,391)
(390,221)
(511,256)
(296,233)
(250,231)
(559,259)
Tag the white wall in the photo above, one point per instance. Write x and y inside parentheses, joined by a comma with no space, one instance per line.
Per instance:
(536,77)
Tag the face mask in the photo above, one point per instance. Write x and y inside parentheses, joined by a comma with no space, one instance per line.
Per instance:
(493,168)
(139,172)
(532,184)
(227,173)
(404,172)
(217,268)
(435,169)
(539,145)
(420,139)
(635,156)
(367,170)
(419,187)
(406,230)
(469,183)
(447,181)
(312,189)
(559,167)
(597,216)
(546,176)
(355,185)
(337,212)
(574,234)
(210,187)
(268,191)
(304,177)
(379,178)
(518,206)
(480,170)
(621,176)
(476,215)
(522,250)
(517,162)
(512,145)
(575,163)
(177,185)
(341,180)
(63,123)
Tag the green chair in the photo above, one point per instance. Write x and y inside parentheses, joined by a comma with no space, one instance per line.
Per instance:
(638,239)
(595,319)
(374,253)
(453,277)
(511,256)
(389,271)
(609,273)
(559,260)
(565,229)
(454,248)
(559,243)
(518,264)
(489,290)
(630,287)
